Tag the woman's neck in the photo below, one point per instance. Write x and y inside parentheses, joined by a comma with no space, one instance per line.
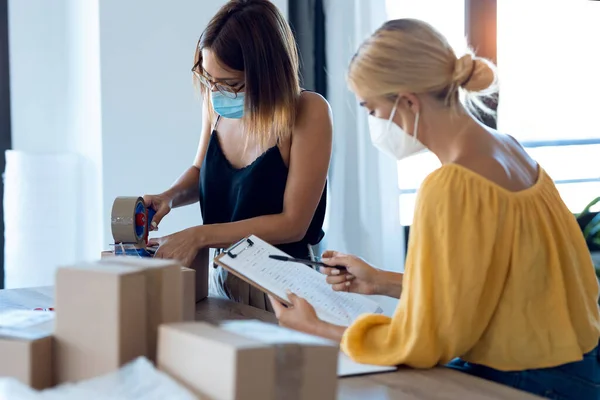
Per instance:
(450,134)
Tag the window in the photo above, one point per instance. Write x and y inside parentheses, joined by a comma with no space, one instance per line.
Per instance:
(549,89)
(548,97)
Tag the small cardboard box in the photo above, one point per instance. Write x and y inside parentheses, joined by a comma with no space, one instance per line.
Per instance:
(200,265)
(306,365)
(164,298)
(212,362)
(188,280)
(249,360)
(26,347)
(100,319)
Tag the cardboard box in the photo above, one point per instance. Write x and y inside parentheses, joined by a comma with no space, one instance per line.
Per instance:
(164,297)
(29,361)
(215,363)
(100,319)
(248,360)
(200,265)
(26,347)
(188,280)
(306,365)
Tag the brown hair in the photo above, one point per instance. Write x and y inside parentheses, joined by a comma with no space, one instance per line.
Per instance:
(410,56)
(253,36)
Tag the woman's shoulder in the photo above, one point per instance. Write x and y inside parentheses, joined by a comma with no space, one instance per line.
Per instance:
(311,104)
(454,180)
(313,115)
(499,165)
(457,182)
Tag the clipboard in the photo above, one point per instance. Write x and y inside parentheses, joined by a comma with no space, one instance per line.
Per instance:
(234,251)
(249,259)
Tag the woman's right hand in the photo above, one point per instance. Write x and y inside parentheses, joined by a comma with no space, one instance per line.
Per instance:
(359,277)
(160,203)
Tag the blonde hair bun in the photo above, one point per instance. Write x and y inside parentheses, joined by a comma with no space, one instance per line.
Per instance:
(473,74)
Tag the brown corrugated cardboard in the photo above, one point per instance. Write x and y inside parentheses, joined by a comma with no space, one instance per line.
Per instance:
(215,363)
(200,265)
(100,319)
(306,365)
(164,293)
(188,279)
(29,361)
(26,347)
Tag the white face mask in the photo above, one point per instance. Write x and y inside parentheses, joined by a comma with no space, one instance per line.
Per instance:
(389,138)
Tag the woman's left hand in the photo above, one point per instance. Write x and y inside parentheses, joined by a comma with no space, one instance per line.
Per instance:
(182,246)
(300,316)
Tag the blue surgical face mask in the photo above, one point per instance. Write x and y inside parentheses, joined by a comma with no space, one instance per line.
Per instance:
(228,107)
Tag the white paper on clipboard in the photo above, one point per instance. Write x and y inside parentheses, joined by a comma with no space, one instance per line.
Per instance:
(250,259)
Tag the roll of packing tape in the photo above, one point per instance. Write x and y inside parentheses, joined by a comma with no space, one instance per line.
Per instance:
(128,220)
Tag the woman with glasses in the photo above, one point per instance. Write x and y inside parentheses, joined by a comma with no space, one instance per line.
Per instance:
(498,280)
(264,150)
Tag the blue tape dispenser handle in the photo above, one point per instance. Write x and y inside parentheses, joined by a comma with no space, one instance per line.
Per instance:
(151,214)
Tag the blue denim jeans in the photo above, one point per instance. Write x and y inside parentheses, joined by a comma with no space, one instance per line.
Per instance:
(578,381)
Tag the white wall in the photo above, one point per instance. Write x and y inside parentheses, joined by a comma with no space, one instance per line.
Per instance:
(151,117)
(84,116)
(38,74)
(110,81)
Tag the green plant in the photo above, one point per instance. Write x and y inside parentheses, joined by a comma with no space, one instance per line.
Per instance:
(591,230)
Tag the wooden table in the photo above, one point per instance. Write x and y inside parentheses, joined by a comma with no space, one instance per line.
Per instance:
(438,383)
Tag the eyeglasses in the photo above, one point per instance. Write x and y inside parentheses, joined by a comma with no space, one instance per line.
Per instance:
(225,89)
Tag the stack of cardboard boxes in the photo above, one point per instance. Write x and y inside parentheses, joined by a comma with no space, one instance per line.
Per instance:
(113,311)
(194,279)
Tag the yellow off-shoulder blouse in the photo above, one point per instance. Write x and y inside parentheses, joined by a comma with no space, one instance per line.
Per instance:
(498,278)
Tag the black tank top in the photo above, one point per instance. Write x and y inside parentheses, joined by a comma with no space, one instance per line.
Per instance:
(229,194)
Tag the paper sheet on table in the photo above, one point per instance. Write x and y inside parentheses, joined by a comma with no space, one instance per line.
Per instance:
(347,367)
(26,324)
(136,380)
(26,298)
(249,259)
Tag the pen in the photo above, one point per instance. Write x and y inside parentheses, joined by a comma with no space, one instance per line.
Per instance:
(308,262)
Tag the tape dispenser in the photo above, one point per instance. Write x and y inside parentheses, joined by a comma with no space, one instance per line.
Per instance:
(130,222)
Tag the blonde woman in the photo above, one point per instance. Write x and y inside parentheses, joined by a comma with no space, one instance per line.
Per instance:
(264,150)
(498,280)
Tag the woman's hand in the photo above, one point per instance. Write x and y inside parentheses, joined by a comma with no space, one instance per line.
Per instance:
(301,316)
(359,277)
(160,203)
(182,246)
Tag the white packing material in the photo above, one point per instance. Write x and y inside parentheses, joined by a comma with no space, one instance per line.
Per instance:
(138,379)
(42,216)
